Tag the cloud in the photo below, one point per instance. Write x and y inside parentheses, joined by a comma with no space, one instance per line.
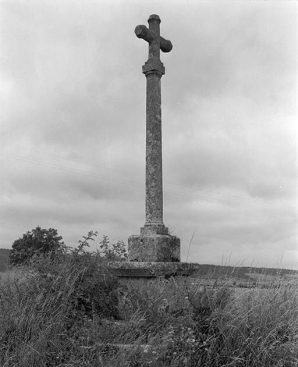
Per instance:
(73,123)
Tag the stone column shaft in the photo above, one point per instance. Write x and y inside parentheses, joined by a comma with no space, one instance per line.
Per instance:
(154,191)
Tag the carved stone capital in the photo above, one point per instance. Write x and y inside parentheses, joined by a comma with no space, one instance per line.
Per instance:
(153,65)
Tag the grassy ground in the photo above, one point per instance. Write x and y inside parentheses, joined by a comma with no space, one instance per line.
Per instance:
(64,313)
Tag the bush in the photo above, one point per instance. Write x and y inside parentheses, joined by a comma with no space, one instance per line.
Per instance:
(114,252)
(91,288)
(48,315)
(61,312)
(38,242)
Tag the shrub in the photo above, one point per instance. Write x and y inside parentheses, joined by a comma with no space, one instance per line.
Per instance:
(116,251)
(38,242)
(58,313)
(49,316)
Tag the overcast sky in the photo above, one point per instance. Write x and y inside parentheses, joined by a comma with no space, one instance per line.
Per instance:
(72,143)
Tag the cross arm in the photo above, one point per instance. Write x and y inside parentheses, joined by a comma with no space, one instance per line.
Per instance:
(142,31)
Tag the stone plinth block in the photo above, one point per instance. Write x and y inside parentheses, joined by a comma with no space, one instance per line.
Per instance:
(138,270)
(153,229)
(157,248)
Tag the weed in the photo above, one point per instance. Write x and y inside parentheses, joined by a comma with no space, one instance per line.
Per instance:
(70,311)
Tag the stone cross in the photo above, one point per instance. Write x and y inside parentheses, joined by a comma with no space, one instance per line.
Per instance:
(153,70)
(154,243)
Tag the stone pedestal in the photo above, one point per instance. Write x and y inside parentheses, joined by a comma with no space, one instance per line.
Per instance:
(154,247)
(154,244)
(154,253)
(136,271)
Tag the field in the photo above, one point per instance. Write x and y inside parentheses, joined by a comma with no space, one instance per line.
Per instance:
(72,312)
(4,259)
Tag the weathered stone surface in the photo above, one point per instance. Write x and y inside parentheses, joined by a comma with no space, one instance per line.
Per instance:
(154,243)
(150,229)
(142,31)
(154,194)
(159,248)
(128,269)
(153,70)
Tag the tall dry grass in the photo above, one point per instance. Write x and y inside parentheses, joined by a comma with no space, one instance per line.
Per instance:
(67,313)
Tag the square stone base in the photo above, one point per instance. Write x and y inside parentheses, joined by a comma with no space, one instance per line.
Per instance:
(154,248)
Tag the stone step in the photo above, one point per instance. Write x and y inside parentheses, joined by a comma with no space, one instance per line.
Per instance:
(145,348)
(108,350)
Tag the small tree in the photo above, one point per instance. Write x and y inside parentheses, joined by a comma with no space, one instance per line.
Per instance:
(38,242)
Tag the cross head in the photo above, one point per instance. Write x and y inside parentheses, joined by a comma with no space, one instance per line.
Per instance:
(156,43)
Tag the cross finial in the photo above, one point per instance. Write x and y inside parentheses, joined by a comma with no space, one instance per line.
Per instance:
(156,43)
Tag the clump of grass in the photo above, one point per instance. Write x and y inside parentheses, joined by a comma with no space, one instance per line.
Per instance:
(260,328)
(71,311)
(48,315)
(225,326)
(232,327)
